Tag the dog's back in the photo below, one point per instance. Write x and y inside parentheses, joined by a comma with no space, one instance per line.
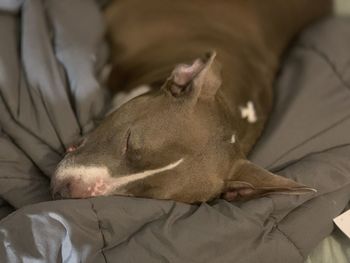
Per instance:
(150,37)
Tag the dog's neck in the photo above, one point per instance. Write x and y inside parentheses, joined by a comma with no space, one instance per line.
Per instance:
(247,95)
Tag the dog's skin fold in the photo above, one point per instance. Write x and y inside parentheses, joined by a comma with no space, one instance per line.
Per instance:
(211,67)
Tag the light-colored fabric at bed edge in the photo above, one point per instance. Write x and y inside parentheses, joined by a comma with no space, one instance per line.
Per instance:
(335,248)
(342,7)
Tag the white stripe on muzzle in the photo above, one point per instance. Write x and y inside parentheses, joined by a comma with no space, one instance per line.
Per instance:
(124,180)
(101,176)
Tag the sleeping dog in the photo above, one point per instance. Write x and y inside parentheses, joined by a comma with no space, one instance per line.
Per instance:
(187,137)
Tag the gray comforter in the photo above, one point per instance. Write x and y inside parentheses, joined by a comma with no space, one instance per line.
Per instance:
(51,58)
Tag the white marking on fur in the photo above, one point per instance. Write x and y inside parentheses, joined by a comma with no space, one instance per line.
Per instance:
(98,180)
(233,138)
(85,173)
(249,113)
(122,181)
(123,97)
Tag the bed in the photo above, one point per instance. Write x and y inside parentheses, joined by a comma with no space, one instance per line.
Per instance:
(53,57)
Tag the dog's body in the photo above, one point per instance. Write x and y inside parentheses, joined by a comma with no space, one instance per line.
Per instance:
(150,38)
(216,107)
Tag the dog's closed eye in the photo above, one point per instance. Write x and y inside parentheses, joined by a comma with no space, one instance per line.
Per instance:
(132,149)
(127,141)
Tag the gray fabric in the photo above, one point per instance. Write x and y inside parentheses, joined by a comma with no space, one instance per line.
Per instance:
(49,60)
(49,91)
(10,5)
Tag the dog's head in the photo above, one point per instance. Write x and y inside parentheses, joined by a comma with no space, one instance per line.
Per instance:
(173,143)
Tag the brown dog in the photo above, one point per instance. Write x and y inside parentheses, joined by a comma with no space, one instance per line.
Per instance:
(187,139)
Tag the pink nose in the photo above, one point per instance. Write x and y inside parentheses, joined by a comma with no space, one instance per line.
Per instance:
(75,188)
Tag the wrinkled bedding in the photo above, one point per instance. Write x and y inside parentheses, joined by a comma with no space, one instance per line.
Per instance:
(335,248)
(52,55)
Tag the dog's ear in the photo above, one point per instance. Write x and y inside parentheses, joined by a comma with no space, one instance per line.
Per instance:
(249,181)
(200,79)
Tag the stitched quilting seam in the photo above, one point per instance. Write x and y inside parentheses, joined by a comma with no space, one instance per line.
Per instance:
(329,61)
(307,140)
(290,241)
(340,77)
(101,232)
(319,196)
